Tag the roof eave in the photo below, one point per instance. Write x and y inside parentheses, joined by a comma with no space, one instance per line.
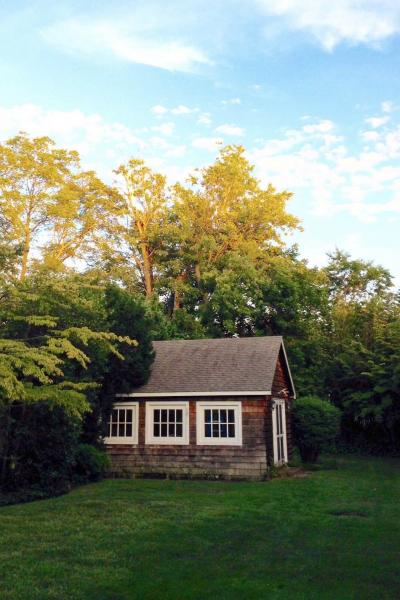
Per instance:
(288,370)
(194,394)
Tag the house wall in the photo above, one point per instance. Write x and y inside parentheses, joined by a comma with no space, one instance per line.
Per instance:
(248,461)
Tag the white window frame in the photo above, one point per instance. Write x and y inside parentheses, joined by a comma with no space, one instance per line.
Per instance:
(169,441)
(275,403)
(133,439)
(201,407)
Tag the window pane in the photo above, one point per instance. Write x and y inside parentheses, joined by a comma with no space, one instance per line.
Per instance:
(164,429)
(231,431)
(215,430)
(122,415)
(207,416)
(114,430)
(164,416)
(171,415)
(179,430)
(179,415)
(129,429)
(171,429)
(156,430)
(129,415)
(121,428)
(224,430)
(207,430)
(231,416)
(156,416)
(215,415)
(222,416)
(114,416)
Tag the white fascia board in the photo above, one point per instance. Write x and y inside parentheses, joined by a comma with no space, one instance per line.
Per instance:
(192,394)
(288,368)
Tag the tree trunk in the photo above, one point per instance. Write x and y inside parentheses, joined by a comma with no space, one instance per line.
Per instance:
(25,253)
(178,293)
(147,271)
(197,274)
(177,301)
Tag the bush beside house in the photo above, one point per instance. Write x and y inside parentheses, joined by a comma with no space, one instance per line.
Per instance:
(316,423)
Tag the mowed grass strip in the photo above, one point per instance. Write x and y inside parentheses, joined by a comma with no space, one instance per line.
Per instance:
(332,535)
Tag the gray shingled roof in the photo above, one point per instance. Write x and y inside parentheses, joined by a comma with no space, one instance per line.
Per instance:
(213,365)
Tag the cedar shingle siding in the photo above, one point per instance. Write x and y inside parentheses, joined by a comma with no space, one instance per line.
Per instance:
(228,365)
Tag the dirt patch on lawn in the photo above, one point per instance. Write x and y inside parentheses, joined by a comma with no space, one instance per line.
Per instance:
(285,472)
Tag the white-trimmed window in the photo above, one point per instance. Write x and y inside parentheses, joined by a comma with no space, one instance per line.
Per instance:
(122,426)
(167,422)
(219,423)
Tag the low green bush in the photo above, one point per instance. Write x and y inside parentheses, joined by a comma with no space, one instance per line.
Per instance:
(40,448)
(316,423)
(90,463)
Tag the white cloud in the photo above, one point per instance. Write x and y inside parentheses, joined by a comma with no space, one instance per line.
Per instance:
(210,144)
(204,119)
(331,23)
(165,128)
(231,130)
(183,110)
(387,106)
(232,101)
(317,162)
(322,126)
(376,122)
(125,42)
(370,136)
(67,127)
(102,145)
(159,109)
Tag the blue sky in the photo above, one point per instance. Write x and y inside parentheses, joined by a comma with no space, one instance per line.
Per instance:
(311,88)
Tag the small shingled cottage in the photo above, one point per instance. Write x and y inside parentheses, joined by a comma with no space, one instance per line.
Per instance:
(211,408)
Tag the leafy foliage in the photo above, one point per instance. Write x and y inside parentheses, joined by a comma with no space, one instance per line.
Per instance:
(316,422)
(90,463)
(90,274)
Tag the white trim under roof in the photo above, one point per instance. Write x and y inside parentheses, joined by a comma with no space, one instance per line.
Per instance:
(192,394)
(288,368)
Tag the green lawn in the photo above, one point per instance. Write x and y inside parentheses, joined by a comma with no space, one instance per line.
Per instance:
(168,540)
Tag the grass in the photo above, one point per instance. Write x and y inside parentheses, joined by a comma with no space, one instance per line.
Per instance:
(333,535)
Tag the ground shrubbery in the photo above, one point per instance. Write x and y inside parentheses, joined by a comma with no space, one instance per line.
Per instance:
(90,463)
(45,455)
(316,423)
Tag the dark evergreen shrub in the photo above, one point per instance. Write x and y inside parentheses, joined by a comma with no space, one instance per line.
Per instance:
(90,463)
(41,448)
(316,423)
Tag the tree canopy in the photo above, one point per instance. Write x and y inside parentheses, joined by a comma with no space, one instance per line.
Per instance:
(88,270)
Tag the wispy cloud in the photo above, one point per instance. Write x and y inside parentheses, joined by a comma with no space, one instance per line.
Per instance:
(376,122)
(231,101)
(124,42)
(103,145)
(211,144)
(230,130)
(204,119)
(331,23)
(165,128)
(181,109)
(316,160)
